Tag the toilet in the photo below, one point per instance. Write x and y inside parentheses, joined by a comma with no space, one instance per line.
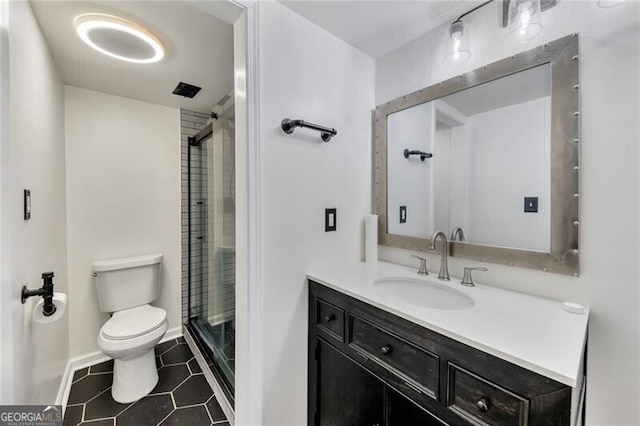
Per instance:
(125,288)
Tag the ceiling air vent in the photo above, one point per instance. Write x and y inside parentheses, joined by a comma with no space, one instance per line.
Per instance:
(187,90)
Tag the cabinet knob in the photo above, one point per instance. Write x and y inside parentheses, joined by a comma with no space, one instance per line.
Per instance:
(386,349)
(483,405)
(329,318)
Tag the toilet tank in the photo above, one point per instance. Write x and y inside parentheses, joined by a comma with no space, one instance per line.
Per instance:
(128,282)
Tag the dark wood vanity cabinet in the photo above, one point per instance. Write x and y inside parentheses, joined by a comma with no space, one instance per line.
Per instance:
(370,367)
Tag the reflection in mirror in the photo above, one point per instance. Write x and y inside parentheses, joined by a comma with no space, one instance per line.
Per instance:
(488,181)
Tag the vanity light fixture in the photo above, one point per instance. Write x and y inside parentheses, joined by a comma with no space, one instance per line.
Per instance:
(119,38)
(458,51)
(524,20)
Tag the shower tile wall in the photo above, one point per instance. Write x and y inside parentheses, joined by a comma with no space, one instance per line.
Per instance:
(191,123)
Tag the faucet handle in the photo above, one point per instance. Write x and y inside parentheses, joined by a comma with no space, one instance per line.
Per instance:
(422,269)
(467,279)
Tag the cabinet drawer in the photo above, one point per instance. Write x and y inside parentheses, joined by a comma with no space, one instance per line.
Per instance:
(479,400)
(330,318)
(396,354)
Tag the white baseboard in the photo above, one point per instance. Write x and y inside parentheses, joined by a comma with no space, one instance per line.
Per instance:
(217,390)
(83,361)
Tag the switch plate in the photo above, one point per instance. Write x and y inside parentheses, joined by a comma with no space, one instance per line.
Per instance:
(27,204)
(403,214)
(531,204)
(330,216)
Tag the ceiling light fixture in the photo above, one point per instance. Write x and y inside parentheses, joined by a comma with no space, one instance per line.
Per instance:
(119,38)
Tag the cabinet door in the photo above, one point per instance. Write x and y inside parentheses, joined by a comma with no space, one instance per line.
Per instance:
(347,394)
(403,412)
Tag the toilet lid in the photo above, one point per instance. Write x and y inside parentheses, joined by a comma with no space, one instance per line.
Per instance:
(133,322)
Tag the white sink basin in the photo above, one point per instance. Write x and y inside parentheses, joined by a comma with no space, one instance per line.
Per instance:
(424,293)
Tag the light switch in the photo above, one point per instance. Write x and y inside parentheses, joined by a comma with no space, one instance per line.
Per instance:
(27,204)
(531,204)
(330,220)
(403,214)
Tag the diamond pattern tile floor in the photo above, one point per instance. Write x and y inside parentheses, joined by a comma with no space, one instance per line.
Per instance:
(181,397)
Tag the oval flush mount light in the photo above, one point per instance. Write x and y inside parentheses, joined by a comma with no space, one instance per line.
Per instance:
(119,38)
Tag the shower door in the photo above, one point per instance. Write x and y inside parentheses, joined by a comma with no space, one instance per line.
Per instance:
(212,248)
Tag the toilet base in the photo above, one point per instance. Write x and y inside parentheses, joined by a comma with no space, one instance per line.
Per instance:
(134,378)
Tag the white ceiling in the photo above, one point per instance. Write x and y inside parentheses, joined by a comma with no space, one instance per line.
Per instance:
(525,86)
(379,27)
(199,51)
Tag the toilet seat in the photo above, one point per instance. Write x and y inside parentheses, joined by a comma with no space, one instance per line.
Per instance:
(133,322)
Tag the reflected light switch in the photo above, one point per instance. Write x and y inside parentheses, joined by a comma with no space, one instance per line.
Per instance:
(330,220)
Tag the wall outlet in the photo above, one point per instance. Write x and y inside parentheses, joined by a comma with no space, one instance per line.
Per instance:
(403,214)
(330,220)
(531,204)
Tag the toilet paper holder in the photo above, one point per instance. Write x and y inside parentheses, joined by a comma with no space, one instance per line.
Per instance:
(46,291)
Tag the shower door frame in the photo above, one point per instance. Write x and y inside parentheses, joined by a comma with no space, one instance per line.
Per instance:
(205,348)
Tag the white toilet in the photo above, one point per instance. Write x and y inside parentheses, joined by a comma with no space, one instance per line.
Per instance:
(125,288)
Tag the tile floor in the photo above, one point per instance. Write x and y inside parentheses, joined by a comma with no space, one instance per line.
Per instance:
(181,397)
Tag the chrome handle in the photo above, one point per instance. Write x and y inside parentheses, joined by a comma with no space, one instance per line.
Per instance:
(386,349)
(422,269)
(483,404)
(467,279)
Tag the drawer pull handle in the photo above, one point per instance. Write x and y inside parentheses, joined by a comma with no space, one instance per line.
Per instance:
(483,405)
(413,387)
(386,349)
(329,318)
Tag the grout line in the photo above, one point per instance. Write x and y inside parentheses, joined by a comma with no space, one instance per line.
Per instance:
(200,404)
(92,398)
(100,373)
(165,417)
(173,401)
(206,408)
(176,363)
(99,420)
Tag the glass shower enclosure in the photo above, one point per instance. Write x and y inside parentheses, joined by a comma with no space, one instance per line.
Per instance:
(211,248)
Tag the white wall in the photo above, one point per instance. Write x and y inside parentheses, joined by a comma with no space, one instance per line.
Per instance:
(306,73)
(37,159)
(412,129)
(498,183)
(608,283)
(123,193)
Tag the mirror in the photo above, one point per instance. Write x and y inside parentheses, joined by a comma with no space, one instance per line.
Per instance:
(490,158)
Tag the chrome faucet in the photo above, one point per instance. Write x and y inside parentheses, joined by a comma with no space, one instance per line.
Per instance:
(444,271)
(422,269)
(467,279)
(457,234)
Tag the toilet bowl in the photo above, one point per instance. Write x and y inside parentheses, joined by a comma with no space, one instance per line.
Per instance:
(125,288)
(129,338)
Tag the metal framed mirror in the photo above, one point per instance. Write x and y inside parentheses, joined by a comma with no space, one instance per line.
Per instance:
(491,158)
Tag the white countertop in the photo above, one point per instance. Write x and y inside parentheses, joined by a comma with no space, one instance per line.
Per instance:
(529,331)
